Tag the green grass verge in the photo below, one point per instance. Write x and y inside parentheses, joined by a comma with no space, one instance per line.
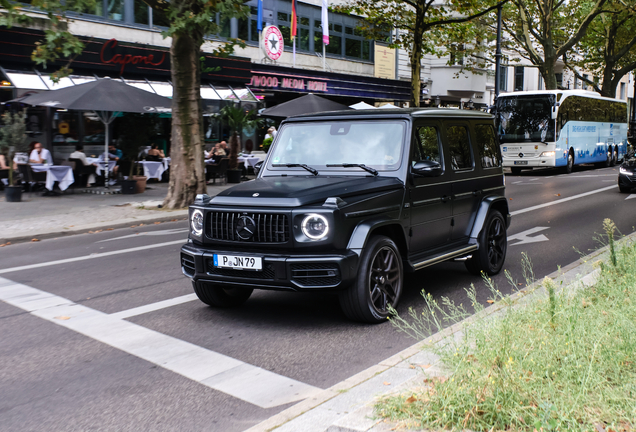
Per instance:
(562,360)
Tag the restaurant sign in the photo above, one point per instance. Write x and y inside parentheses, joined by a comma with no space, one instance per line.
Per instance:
(274,82)
(107,56)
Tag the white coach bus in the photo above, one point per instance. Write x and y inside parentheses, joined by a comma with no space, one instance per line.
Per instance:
(560,128)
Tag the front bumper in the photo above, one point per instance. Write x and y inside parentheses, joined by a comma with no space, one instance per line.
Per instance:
(292,272)
(528,162)
(628,181)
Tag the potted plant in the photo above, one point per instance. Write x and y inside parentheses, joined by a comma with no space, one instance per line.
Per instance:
(12,142)
(236,119)
(266,143)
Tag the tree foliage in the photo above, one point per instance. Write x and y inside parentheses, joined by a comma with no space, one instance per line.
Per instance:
(13,137)
(423,25)
(543,31)
(608,49)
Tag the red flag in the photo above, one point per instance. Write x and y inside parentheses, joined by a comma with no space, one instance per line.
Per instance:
(294,18)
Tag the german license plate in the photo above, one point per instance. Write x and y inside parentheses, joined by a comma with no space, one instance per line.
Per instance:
(521,162)
(238,262)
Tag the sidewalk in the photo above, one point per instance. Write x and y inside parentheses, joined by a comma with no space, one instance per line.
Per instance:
(348,405)
(42,217)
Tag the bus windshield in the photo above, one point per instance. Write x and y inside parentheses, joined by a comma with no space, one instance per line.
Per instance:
(525,118)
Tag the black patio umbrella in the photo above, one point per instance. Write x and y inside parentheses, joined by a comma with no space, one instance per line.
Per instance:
(303,105)
(106,97)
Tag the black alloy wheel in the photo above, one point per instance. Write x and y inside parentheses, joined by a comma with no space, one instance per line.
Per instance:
(379,283)
(493,244)
(220,296)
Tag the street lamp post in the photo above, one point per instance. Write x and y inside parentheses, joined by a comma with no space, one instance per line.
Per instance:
(498,53)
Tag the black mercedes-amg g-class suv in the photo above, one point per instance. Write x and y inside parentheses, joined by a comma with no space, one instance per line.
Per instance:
(348,201)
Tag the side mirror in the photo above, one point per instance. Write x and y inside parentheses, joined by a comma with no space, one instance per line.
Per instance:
(257,167)
(426,168)
(554,113)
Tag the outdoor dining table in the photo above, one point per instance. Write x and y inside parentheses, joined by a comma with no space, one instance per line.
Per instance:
(56,173)
(100,165)
(153,169)
(249,161)
(166,163)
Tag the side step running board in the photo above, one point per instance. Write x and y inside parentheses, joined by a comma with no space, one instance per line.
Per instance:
(445,257)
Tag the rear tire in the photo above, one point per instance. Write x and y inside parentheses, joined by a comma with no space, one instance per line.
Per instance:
(624,189)
(219,296)
(379,283)
(493,244)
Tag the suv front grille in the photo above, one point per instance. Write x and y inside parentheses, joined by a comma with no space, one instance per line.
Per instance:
(267,273)
(308,275)
(268,228)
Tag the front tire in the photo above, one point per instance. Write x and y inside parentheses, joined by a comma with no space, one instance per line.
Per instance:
(379,283)
(515,171)
(570,164)
(624,189)
(493,244)
(219,296)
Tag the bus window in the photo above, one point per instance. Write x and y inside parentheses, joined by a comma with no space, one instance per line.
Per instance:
(525,118)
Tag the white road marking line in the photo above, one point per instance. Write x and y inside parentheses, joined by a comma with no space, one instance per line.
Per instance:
(148,233)
(525,236)
(154,306)
(91,256)
(220,372)
(631,196)
(561,201)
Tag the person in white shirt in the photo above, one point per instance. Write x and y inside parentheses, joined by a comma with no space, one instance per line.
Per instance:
(40,154)
(78,154)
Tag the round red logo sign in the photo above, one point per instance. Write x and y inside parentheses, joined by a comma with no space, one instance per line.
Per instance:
(273,43)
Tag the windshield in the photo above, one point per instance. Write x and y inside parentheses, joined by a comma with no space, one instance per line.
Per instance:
(376,144)
(525,118)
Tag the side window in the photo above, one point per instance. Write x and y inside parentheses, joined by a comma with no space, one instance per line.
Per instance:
(427,147)
(487,146)
(459,147)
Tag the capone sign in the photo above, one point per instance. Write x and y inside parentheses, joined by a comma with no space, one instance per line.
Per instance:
(124,59)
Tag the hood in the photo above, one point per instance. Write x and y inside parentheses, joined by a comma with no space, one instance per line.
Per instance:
(295,191)
(629,164)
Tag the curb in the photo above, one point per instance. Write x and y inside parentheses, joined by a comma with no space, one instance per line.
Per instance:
(348,405)
(119,223)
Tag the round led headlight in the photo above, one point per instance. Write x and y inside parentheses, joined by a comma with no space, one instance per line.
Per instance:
(196,222)
(315,226)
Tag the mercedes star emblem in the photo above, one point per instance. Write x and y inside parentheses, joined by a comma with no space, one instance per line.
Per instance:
(245,228)
(520,155)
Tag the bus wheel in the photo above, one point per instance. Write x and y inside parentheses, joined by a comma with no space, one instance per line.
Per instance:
(570,164)
(515,170)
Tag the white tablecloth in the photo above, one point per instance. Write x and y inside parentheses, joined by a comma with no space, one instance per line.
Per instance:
(153,169)
(166,163)
(60,173)
(101,164)
(248,161)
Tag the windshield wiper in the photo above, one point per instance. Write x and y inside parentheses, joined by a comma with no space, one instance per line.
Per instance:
(291,165)
(350,165)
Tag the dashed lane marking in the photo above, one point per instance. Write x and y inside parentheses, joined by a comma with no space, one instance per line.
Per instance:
(561,201)
(241,380)
(154,306)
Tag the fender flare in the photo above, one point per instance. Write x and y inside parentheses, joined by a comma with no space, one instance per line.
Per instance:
(498,202)
(364,229)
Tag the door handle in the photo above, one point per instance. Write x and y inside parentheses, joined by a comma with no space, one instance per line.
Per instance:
(477,192)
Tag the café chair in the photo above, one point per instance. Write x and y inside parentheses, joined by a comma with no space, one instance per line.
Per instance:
(31,180)
(214,171)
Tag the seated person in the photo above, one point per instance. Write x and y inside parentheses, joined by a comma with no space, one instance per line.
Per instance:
(225,148)
(3,162)
(112,155)
(79,155)
(217,153)
(155,153)
(40,154)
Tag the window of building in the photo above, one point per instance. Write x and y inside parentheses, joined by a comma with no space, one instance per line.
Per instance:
(141,12)
(622,91)
(559,79)
(457,55)
(115,9)
(519,78)
(459,146)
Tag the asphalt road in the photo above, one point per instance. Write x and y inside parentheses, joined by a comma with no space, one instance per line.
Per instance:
(58,372)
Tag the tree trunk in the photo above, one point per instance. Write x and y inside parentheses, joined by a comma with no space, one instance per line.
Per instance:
(187,169)
(234,149)
(416,55)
